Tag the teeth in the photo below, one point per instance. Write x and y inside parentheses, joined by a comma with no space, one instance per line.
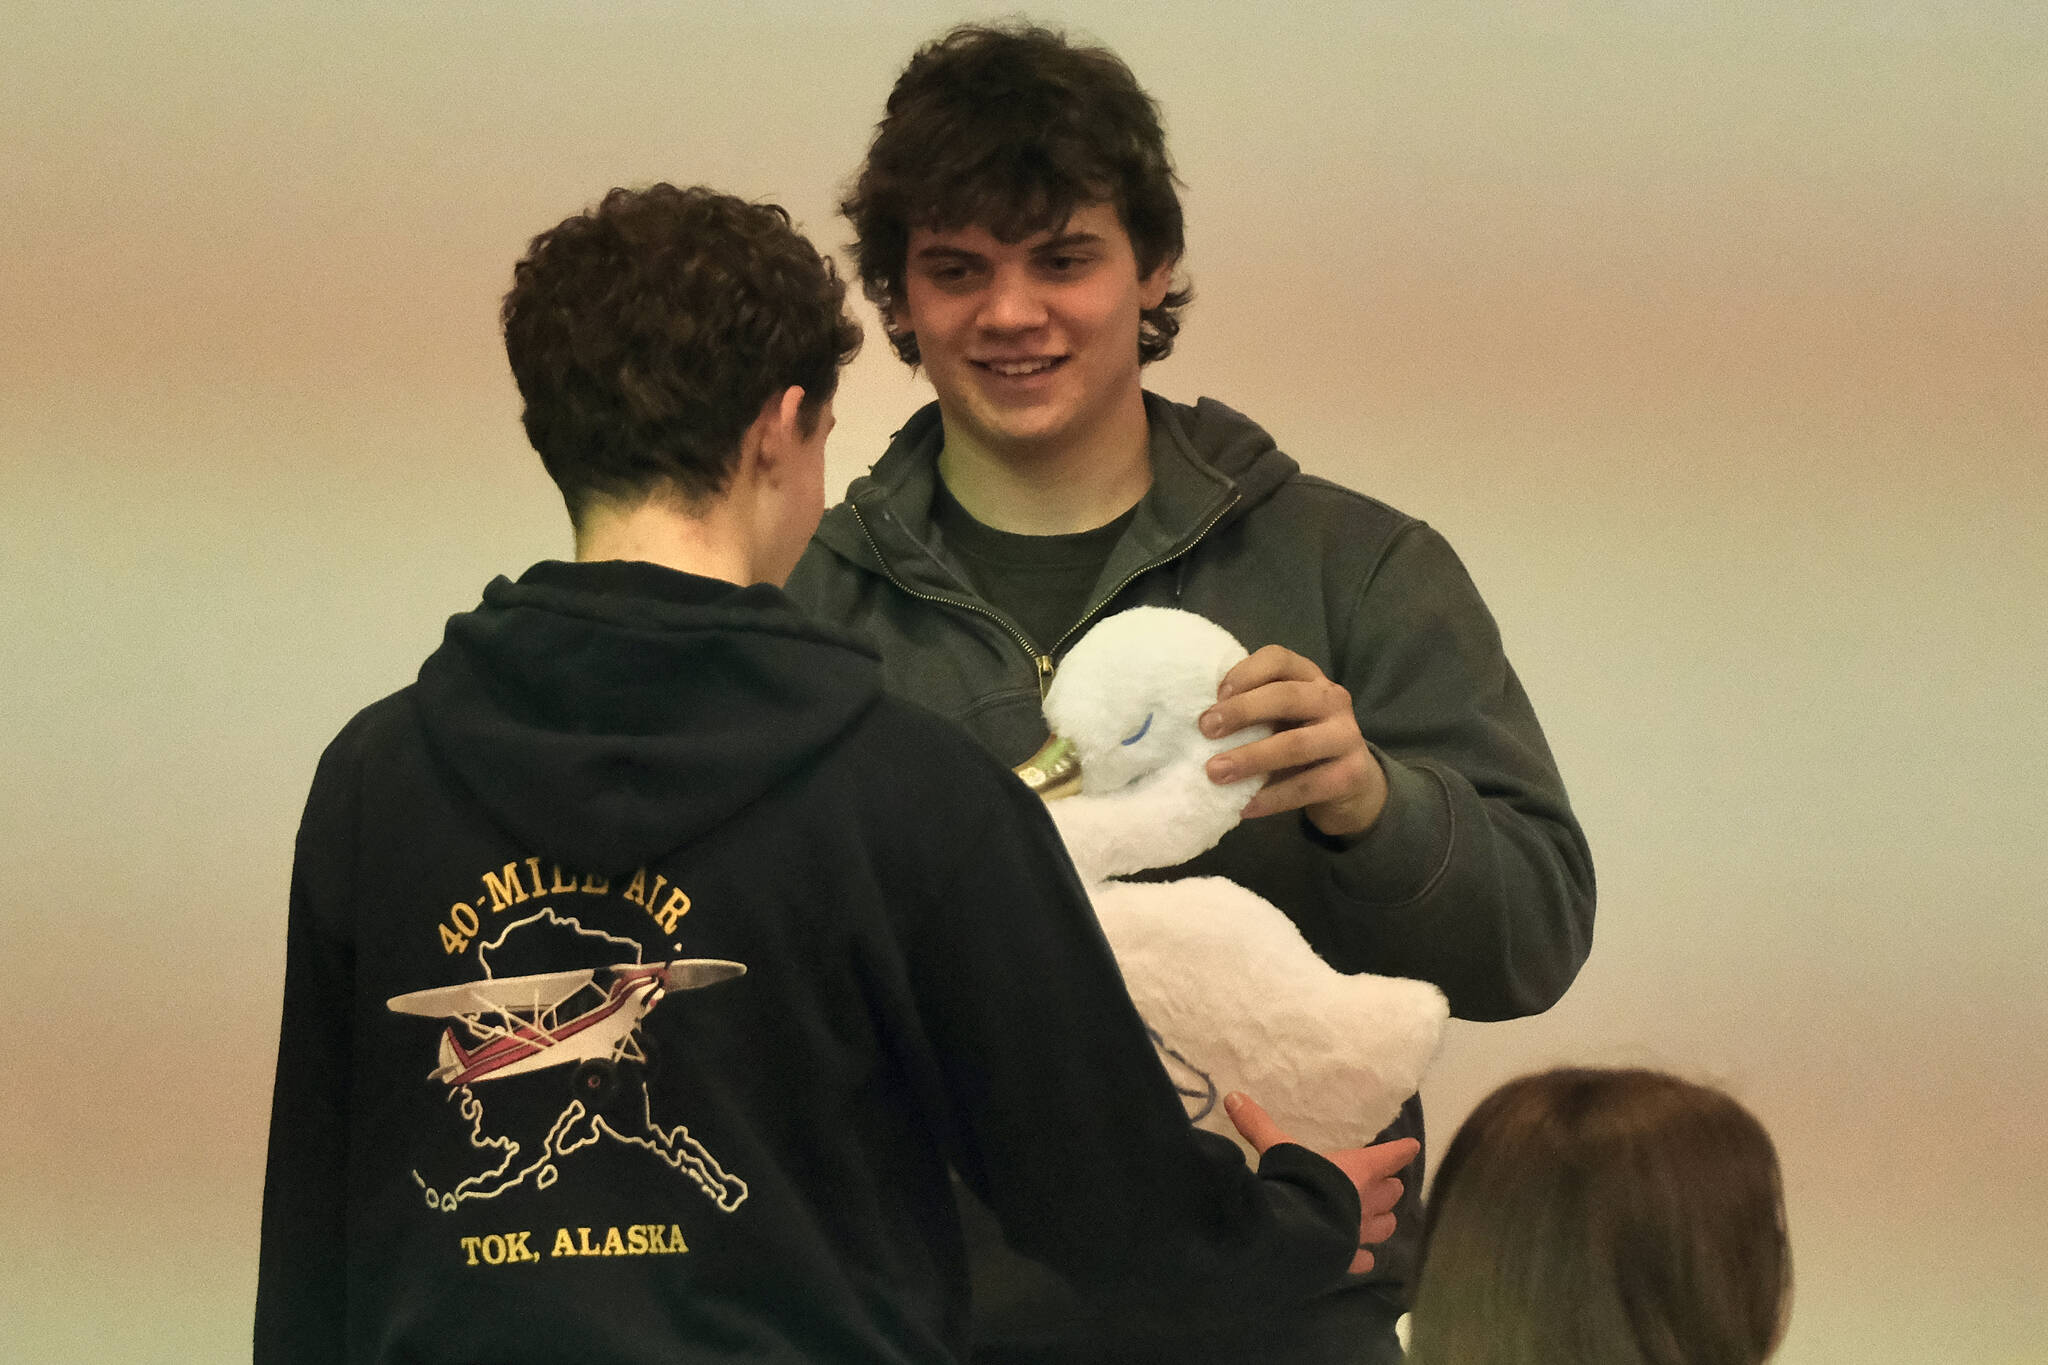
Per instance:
(1014,369)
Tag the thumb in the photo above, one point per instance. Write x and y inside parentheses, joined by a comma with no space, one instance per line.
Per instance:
(1253,1122)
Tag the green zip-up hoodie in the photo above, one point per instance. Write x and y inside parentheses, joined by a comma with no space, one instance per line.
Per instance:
(1476,877)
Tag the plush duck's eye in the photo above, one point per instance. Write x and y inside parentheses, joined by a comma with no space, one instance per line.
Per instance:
(1141,731)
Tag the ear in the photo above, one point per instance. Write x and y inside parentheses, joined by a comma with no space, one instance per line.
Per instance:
(1152,288)
(896,319)
(776,432)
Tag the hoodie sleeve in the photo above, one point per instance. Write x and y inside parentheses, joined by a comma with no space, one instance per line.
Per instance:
(301,1300)
(1063,1120)
(1476,876)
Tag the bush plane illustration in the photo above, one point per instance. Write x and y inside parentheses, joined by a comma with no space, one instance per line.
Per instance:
(516,1023)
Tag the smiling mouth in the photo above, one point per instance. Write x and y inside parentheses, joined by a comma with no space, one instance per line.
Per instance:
(1021,369)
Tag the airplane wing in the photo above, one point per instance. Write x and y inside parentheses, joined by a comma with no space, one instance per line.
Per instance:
(508,993)
(688,973)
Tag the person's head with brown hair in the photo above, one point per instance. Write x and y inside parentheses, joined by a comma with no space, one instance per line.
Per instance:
(647,333)
(1012,128)
(1589,1216)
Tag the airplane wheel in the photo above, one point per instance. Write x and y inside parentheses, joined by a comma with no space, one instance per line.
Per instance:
(594,1082)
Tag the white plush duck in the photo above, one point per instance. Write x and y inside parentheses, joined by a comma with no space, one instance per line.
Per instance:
(1235,997)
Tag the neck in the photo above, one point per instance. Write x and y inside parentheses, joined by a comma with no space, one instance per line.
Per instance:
(707,543)
(1055,488)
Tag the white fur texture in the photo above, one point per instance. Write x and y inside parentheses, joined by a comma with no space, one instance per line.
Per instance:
(1237,998)
(1145,801)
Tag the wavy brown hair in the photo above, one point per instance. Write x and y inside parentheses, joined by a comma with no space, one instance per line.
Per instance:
(646,334)
(1011,127)
(1604,1217)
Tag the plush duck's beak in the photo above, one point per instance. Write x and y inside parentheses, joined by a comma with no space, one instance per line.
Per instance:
(1054,771)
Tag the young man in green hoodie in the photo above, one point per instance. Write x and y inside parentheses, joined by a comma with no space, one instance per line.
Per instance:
(1019,230)
(648,966)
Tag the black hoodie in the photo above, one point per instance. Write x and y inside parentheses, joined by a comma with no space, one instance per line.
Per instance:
(610,769)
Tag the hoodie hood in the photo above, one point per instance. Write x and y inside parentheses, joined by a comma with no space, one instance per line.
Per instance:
(1219,439)
(604,714)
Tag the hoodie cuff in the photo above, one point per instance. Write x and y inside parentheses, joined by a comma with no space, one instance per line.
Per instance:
(1405,852)
(1323,1203)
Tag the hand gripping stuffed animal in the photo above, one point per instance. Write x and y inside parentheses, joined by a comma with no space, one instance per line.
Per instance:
(1234,996)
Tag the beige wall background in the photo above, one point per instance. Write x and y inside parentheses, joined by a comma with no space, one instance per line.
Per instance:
(1711,334)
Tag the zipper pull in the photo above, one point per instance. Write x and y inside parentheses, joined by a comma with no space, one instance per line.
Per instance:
(1044,663)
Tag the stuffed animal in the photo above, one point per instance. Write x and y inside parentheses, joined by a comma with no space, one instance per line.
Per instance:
(1235,997)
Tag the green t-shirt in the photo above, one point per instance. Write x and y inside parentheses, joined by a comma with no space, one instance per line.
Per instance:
(1040,582)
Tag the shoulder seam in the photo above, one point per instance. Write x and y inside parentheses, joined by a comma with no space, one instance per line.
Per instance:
(1322,485)
(1409,526)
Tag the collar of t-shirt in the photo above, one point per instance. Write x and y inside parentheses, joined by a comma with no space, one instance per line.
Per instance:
(1040,582)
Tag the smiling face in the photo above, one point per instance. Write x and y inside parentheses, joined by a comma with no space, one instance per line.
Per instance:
(1031,345)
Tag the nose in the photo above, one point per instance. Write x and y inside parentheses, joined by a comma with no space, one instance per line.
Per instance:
(1013,303)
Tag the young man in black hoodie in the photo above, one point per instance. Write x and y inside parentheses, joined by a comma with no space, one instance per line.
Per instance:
(648,965)
(1019,229)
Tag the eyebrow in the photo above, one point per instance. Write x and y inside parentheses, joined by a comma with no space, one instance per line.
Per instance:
(940,251)
(1069,239)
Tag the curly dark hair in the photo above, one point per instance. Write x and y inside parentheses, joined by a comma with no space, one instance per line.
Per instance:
(1012,128)
(646,334)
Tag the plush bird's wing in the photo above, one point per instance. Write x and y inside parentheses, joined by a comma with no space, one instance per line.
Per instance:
(1236,995)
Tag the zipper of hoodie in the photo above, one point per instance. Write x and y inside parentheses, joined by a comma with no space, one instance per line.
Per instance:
(1087,617)
(1042,663)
